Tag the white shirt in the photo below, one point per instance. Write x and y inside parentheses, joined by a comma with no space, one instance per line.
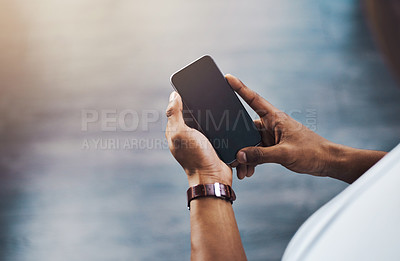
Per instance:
(361,223)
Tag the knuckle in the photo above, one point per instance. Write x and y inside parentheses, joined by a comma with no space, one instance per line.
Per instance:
(280,119)
(256,156)
(240,87)
(254,99)
(282,116)
(170,111)
(279,124)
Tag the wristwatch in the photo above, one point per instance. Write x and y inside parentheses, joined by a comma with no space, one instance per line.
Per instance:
(218,190)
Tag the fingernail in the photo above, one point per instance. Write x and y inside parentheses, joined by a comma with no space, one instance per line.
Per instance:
(242,157)
(172,96)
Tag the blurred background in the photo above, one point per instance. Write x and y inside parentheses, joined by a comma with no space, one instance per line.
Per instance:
(84,170)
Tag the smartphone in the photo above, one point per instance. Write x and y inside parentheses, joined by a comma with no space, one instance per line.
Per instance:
(215,108)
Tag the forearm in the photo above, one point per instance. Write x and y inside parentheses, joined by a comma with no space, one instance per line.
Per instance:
(214,232)
(348,164)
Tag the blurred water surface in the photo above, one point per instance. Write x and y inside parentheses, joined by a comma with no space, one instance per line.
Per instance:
(63,199)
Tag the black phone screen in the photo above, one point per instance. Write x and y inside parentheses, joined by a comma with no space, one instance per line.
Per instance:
(215,107)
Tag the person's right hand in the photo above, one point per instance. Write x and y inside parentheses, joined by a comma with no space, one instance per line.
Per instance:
(284,140)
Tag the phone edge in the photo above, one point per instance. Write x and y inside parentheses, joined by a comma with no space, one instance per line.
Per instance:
(201,57)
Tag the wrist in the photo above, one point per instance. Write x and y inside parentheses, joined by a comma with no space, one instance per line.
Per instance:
(348,164)
(223,176)
(337,156)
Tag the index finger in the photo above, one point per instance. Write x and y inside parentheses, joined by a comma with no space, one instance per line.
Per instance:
(261,106)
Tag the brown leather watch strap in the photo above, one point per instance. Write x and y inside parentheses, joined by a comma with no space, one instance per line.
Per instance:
(211,190)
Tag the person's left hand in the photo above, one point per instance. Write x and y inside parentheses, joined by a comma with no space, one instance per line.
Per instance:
(192,149)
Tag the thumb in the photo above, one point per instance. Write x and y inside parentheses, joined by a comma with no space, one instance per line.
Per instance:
(174,111)
(259,155)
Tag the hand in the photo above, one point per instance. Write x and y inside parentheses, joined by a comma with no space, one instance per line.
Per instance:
(284,140)
(214,232)
(192,149)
